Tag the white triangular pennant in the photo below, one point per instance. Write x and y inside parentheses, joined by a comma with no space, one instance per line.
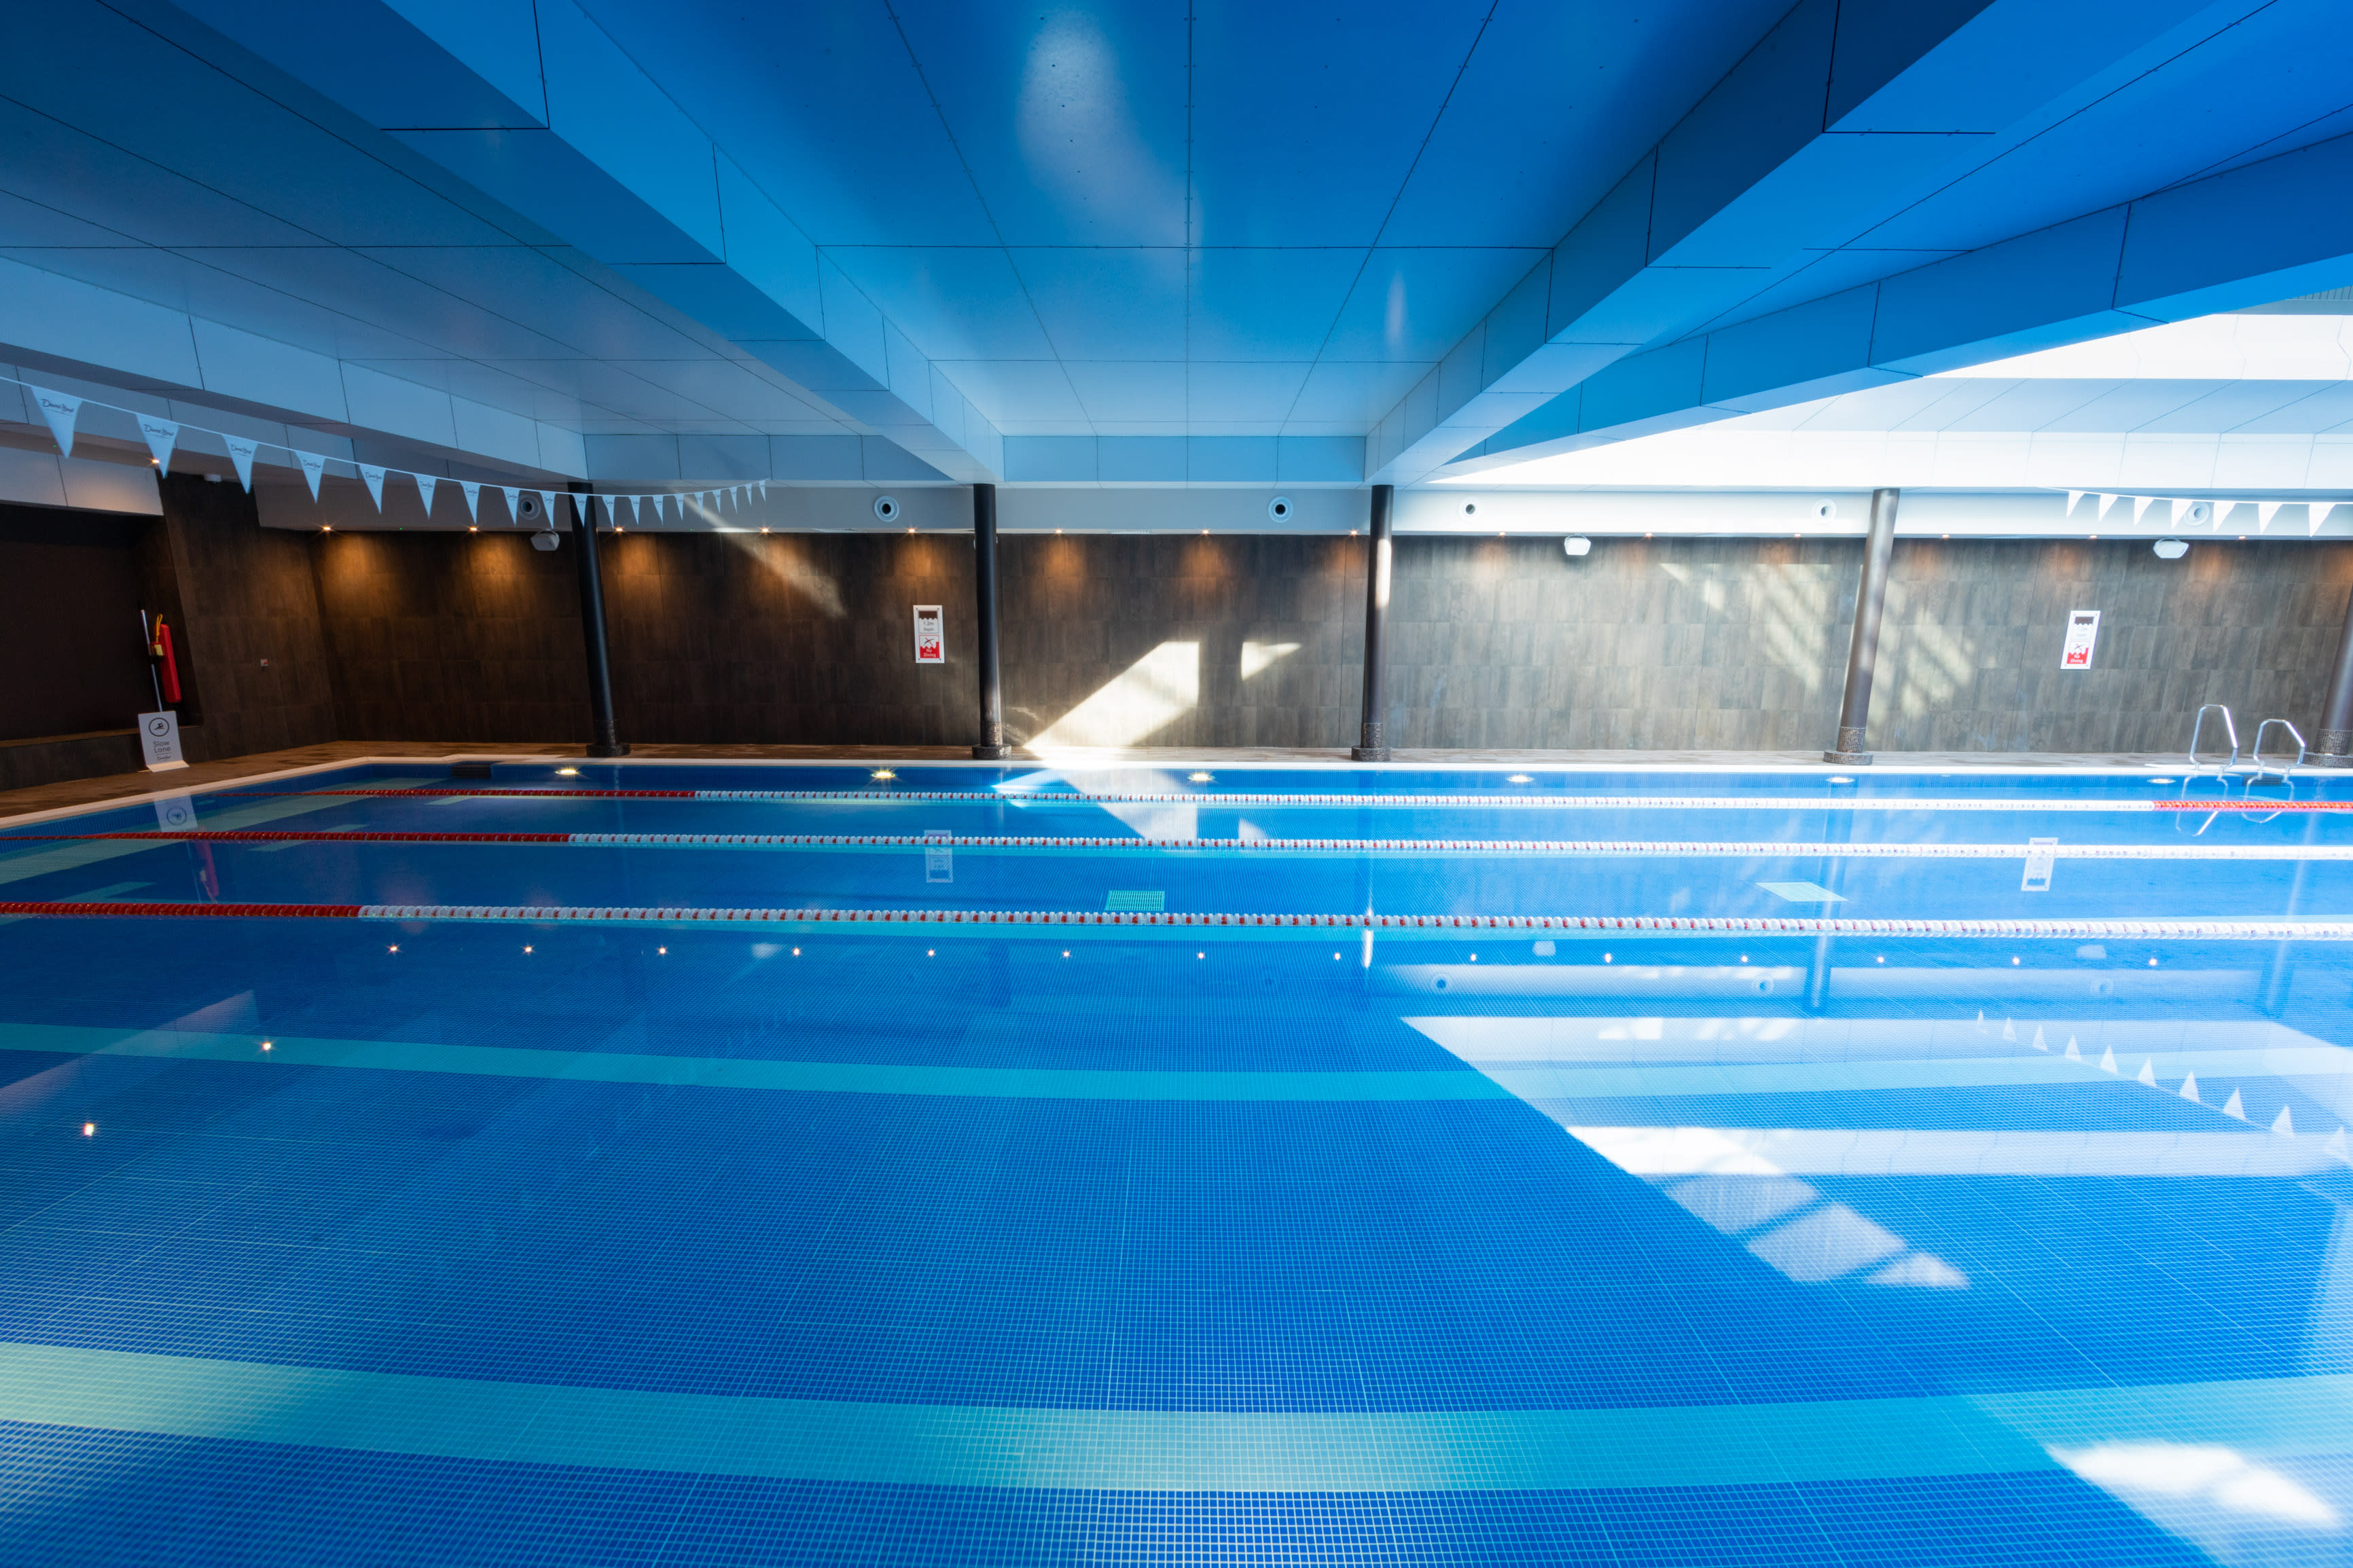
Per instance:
(637,510)
(2039,1043)
(2219,510)
(2072,497)
(2178,507)
(2188,1090)
(2234,1106)
(374,478)
(2106,502)
(2008,1030)
(583,508)
(314,466)
(2336,1145)
(547,506)
(425,483)
(2318,513)
(240,452)
(162,435)
(2140,505)
(514,503)
(763,489)
(2283,1123)
(2108,1059)
(2148,1072)
(2073,1054)
(473,493)
(2264,512)
(61,411)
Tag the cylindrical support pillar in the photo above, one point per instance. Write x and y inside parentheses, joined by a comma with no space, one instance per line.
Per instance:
(1372,741)
(1862,654)
(991,746)
(604,739)
(2334,746)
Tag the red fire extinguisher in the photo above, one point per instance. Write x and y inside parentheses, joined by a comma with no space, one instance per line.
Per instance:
(167,666)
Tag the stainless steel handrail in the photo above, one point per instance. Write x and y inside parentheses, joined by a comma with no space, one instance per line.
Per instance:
(2283,769)
(2197,728)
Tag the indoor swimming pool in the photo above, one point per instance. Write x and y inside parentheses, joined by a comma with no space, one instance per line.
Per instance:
(651,1163)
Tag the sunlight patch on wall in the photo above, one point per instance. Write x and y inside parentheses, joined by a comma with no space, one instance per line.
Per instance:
(1259,657)
(1148,696)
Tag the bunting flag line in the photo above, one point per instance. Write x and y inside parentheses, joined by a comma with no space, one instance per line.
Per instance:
(162,434)
(547,506)
(2180,510)
(60,410)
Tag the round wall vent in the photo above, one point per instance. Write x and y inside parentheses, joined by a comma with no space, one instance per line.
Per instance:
(1279,509)
(886,508)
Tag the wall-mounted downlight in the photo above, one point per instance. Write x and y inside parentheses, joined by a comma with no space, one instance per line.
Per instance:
(886,508)
(2170,549)
(1577,544)
(546,540)
(1279,509)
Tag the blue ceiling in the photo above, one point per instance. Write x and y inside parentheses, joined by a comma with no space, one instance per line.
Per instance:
(1105,218)
(1110,218)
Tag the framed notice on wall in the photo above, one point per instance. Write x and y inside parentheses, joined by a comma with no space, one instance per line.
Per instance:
(2083,635)
(931,635)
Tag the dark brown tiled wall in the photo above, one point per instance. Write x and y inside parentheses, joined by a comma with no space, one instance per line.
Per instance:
(450,636)
(806,637)
(245,597)
(1266,632)
(1719,644)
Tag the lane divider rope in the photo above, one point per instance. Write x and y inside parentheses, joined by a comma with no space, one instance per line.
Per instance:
(1581,801)
(1609,848)
(2226,929)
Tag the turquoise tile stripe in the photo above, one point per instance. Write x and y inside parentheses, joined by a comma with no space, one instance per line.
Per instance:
(746,1073)
(984,1445)
(1536,1081)
(976,1446)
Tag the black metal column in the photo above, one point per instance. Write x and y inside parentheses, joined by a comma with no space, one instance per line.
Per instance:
(992,744)
(2334,746)
(1863,655)
(605,737)
(1371,742)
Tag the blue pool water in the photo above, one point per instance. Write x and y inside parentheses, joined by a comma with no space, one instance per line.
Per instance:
(1802,1220)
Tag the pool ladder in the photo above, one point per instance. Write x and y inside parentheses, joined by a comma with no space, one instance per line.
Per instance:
(2256,769)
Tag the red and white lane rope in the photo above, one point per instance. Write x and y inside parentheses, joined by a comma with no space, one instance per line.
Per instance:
(1731,925)
(1580,848)
(1557,802)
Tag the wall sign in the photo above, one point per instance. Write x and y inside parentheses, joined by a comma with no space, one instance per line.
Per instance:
(2083,632)
(159,739)
(931,635)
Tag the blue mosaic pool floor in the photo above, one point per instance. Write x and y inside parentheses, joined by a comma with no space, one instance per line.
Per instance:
(388,1242)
